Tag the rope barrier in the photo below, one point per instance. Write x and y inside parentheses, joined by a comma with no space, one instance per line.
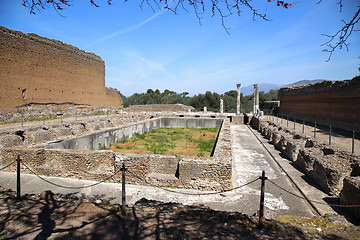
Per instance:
(8,165)
(69,187)
(179,192)
(313,201)
(195,194)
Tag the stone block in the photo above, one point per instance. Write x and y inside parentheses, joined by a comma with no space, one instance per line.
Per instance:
(350,195)
(329,174)
(293,147)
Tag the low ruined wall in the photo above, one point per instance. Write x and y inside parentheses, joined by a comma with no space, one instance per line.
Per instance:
(101,139)
(203,173)
(33,135)
(334,171)
(161,108)
(330,103)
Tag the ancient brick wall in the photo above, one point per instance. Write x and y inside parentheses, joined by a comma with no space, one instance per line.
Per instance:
(332,103)
(35,69)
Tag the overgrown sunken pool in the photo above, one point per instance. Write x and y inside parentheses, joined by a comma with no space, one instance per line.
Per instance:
(170,141)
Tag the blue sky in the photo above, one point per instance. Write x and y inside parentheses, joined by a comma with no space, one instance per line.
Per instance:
(143,49)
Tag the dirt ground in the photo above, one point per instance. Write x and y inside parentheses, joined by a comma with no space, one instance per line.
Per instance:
(48,216)
(339,139)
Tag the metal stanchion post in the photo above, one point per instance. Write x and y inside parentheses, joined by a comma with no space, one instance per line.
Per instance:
(287,121)
(294,122)
(353,142)
(123,202)
(262,198)
(303,130)
(315,130)
(18,187)
(330,136)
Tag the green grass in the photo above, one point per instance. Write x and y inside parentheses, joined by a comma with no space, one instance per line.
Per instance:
(192,141)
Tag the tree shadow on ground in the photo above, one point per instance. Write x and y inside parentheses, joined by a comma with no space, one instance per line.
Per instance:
(56,218)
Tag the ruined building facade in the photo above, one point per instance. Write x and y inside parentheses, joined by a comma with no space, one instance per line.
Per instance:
(39,70)
(332,103)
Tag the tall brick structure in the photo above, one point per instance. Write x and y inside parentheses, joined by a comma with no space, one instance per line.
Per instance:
(35,69)
(334,103)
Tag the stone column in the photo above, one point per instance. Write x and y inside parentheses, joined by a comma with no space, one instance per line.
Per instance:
(256,99)
(205,109)
(221,106)
(238,99)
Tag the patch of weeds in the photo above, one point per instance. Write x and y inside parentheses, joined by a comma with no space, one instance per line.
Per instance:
(140,136)
(201,155)
(317,222)
(210,129)
(205,146)
(118,147)
(51,165)
(161,138)
(189,138)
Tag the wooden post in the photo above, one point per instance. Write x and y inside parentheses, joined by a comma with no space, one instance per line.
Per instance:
(315,130)
(330,136)
(123,202)
(262,199)
(18,187)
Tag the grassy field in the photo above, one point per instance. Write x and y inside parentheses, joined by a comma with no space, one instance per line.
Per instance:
(170,141)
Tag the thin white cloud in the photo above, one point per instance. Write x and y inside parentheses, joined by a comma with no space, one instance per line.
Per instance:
(128,29)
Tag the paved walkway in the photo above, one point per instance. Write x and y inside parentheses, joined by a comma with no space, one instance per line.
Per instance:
(249,159)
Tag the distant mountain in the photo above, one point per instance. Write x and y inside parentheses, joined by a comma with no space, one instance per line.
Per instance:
(305,82)
(248,90)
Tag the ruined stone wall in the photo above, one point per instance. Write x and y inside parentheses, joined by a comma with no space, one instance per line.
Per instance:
(203,173)
(334,171)
(35,69)
(332,103)
(33,135)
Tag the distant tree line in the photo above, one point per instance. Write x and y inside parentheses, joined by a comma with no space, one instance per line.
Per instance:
(211,100)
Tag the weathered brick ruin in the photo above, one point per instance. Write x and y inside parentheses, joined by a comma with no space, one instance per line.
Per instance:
(35,69)
(333,103)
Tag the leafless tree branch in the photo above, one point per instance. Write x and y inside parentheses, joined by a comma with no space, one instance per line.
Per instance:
(342,35)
